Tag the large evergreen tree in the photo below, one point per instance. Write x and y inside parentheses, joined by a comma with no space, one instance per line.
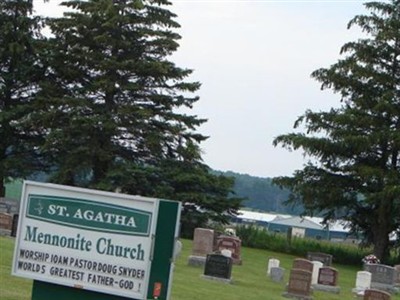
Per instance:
(355,171)
(112,104)
(113,95)
(20,72)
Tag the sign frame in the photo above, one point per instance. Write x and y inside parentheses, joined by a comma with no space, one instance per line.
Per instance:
(159,276)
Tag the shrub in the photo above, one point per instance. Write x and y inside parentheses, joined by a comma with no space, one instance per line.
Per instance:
(256,237)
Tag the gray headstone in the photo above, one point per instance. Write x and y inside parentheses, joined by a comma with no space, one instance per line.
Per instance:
(397,280)
(325,258)
(277,274)
(272,263)
(382,277)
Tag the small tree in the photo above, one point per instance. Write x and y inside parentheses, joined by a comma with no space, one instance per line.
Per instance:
(355,175)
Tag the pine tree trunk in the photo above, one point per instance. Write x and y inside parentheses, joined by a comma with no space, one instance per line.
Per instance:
(381,230)
(2,173)
(381,244)
(2,186)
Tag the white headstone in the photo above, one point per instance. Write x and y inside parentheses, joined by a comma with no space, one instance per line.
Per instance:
(226,252)
(363,280)
(317,265)
(177,249)
(272,263)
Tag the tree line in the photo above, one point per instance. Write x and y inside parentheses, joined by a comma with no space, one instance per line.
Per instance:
(261,194)
(97,103)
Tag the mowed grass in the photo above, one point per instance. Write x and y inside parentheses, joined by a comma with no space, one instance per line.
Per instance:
(249,280)
(11,287)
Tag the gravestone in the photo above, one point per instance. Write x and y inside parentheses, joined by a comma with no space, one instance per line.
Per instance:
(14,225)
(272,263)
(277,274)
(218,267)
(203,241)
(5,223)
(383,277)
(303,264)
(326,259)
(4,208)
(373,294)
(177,249)
(226,252)
(363,282)
(299,286)
(397,279)
(231,243)
(316,266)
(328,280)
(203,244)
(328,276)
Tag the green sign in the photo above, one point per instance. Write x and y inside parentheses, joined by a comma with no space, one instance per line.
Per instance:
(90,215)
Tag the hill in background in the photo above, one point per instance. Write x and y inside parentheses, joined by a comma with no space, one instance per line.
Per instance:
(261,194)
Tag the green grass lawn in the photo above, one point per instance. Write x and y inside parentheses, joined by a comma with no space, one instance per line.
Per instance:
(11,287)
(249,280)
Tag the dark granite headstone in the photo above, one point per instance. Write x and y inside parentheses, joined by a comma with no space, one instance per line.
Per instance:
(303,264)
(326,259)
(299,284)
(376,295)
(219,266)
(14,225)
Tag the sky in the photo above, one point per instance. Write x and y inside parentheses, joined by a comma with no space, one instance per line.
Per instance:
(254,60)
